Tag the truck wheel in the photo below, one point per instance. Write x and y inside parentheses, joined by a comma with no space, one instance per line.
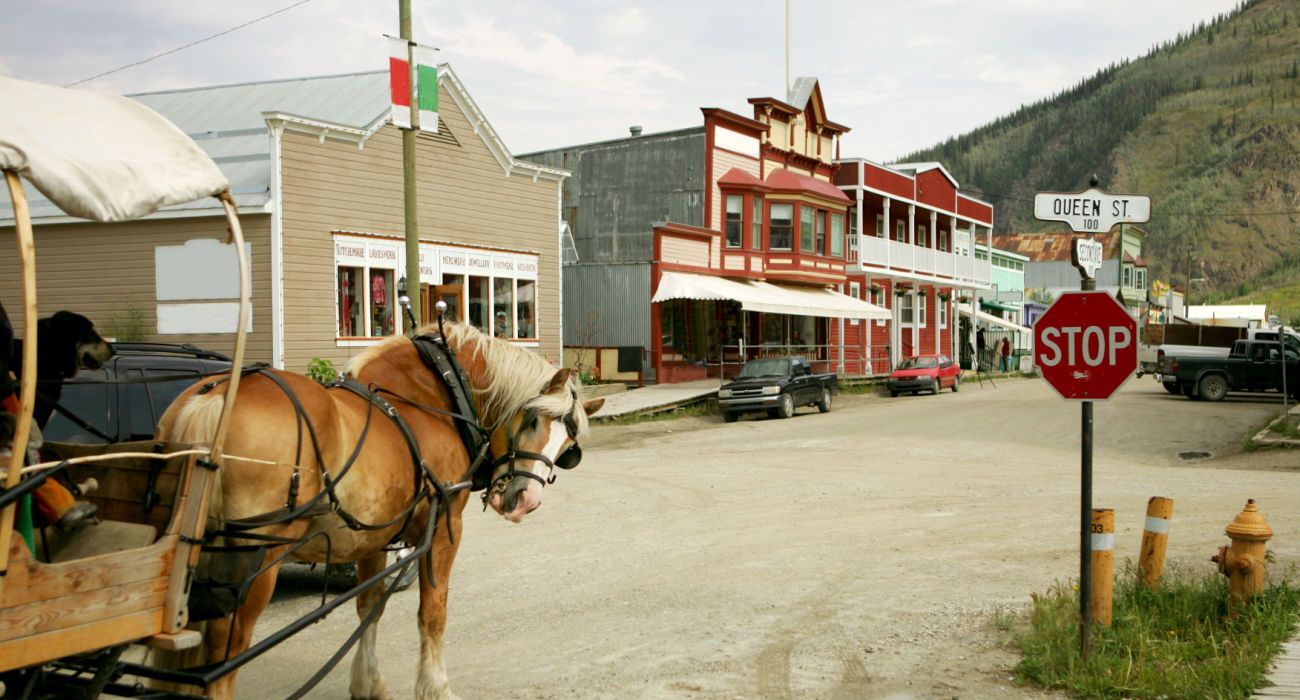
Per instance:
(786,408)
(1172,387)
(1213,387)
(730,416)
(825,404)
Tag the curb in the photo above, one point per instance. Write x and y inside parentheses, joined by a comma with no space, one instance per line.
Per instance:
(1267,438)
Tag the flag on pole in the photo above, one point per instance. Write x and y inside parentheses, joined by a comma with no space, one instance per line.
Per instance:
(400,75)
(426,70)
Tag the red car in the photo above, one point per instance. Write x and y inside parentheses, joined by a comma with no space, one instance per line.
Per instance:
(925,373)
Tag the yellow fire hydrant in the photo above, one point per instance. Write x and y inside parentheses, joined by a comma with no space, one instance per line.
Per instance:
(1243,561)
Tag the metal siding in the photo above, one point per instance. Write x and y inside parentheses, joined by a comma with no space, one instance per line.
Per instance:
(613,299)
(619,189)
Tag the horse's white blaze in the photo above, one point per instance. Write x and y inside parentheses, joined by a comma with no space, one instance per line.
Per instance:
(531,497)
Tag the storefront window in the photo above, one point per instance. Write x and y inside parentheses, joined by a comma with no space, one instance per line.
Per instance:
(524,304)
(351,302)
(756,223)
(503,325)
(782,229)
(477,296)
(382,303)
(837,235)
(806,228)
(735,220)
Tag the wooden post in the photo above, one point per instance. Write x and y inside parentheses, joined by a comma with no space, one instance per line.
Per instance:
(1155,537)
(1103,564)
(411,208)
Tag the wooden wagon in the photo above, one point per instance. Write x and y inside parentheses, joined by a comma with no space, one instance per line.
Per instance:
(79,600)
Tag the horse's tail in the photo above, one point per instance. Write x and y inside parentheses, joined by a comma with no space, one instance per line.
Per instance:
(195,422)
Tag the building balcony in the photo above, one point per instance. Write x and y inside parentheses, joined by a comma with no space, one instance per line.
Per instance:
(881,255)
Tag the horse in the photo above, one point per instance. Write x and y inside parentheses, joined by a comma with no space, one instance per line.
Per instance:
(352,447)
(66,342)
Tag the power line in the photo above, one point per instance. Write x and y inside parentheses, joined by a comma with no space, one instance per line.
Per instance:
(186,46)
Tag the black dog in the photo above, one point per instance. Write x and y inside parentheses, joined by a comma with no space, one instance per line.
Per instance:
(67,342)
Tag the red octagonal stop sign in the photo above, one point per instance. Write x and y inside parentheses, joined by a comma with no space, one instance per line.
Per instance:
(1085,345)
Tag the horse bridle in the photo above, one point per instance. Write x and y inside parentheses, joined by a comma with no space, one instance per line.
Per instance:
(567,459)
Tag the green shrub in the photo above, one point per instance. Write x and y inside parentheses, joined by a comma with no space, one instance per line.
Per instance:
(322,370)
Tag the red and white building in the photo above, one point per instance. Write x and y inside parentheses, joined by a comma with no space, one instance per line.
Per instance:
(914,252)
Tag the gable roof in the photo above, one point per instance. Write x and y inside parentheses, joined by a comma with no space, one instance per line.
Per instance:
(918,168)
(230,123)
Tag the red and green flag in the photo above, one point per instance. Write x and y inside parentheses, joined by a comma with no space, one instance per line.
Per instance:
(425,74)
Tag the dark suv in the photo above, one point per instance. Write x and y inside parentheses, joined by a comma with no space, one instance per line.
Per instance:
(123,411)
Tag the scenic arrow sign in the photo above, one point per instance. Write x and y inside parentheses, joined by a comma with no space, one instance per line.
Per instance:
(1092,211)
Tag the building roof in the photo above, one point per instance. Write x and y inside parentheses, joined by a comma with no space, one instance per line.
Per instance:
(1052,247)
(229,122)
(782,179)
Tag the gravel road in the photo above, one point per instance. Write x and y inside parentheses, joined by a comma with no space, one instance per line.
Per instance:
(858,554)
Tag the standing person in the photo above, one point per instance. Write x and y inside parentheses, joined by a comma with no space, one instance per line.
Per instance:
(1006,354)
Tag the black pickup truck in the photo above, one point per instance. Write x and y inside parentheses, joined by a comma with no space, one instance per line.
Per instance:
(1251,365)
(777,385)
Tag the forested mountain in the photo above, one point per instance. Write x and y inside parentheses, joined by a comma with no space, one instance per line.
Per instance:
(1207,124)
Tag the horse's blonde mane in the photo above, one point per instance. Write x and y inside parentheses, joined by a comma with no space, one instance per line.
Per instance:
(514,377)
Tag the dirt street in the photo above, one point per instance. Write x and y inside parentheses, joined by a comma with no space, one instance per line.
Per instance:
(859,554)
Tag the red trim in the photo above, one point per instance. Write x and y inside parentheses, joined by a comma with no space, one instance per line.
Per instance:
(792,182)
(708,171)
(736,178)
(722,116)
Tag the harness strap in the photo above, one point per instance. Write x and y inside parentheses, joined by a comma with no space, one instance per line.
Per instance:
(439,357)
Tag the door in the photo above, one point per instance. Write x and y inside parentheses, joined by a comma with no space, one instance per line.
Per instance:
(454,295)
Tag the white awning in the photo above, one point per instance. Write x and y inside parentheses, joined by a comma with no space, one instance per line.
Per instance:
(766,297)
(964,310)
(100,156)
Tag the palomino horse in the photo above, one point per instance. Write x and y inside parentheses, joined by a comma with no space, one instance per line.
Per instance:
(386,473)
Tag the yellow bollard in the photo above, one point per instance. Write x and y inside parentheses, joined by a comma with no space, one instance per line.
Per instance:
(1103,564)
(1243,561)
(1155,537)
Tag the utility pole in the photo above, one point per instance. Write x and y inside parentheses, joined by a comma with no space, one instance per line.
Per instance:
(408,172)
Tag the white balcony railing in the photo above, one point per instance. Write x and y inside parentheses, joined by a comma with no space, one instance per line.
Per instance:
(885,253)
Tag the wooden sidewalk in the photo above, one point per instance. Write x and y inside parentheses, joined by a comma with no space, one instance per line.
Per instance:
(1285,674)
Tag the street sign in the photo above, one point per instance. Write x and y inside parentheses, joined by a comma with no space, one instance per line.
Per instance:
(1085,345)
(1092,211)
(1087,256)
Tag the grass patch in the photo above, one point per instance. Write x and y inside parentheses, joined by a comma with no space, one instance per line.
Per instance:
(863,389)
(1172,642)
(1288,427)
(704,408)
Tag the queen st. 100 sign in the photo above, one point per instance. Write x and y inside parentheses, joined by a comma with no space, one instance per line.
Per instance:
(1092,211)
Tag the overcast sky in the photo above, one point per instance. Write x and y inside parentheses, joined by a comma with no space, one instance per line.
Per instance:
(549,73)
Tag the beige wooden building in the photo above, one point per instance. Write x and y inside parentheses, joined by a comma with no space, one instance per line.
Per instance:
(316,169)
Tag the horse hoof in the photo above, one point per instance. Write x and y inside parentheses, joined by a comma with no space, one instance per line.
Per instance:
(379,692)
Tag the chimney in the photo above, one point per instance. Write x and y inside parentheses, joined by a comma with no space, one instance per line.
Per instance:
(635,130)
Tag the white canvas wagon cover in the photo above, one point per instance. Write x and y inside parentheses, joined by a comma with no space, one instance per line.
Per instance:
(100,156)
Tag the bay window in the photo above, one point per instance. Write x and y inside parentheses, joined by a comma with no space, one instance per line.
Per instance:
(734,220)
(837,235)
(781,230)
(806,215)
(820,246)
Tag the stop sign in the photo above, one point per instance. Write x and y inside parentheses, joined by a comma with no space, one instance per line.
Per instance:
(1085,345)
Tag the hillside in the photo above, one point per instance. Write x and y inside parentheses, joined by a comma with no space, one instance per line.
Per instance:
(1207,124)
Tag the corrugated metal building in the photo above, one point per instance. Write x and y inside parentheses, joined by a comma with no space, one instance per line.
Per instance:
(616,194)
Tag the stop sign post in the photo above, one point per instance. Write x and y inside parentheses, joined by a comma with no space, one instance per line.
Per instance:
(1085,346)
